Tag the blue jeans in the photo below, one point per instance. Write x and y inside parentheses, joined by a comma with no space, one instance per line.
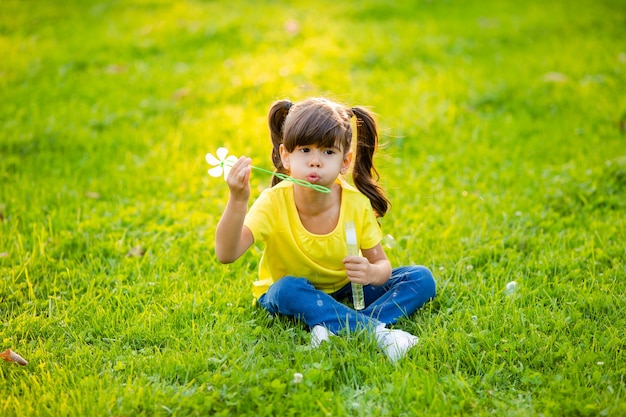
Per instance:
(408,289)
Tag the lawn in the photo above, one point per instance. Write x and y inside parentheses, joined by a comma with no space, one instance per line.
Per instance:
(503,152)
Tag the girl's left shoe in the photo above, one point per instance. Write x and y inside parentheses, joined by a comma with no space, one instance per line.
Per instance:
(394,342)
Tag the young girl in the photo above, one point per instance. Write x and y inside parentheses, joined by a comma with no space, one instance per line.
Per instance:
(304,270)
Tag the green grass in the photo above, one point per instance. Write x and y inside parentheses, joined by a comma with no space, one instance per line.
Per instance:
(504,158)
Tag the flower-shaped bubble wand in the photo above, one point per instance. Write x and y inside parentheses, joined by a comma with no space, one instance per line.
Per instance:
(223,163)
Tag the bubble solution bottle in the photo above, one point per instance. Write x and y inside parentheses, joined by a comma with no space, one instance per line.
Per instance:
(353,250)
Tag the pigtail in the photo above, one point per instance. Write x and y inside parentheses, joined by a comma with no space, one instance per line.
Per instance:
(276,119)
(364,173)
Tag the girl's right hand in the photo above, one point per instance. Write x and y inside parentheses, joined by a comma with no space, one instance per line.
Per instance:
(232,238)
(238,179)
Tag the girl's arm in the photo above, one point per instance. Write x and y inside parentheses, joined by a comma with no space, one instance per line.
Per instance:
(232,238)
(372,268)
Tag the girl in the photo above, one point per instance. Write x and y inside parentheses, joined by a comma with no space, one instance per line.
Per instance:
(304,270)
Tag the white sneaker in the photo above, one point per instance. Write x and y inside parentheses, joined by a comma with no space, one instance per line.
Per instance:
(395,343)
(319,334)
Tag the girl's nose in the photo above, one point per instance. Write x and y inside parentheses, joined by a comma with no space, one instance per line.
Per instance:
(314,160)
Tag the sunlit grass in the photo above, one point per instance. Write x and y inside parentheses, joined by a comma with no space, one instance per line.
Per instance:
(503,156)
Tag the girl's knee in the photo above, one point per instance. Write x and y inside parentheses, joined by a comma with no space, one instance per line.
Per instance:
(426,280)
(284,288)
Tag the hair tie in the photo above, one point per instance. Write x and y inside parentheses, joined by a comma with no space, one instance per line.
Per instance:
(288,105)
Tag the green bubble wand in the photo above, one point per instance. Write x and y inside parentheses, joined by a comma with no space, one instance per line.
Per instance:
(224,162)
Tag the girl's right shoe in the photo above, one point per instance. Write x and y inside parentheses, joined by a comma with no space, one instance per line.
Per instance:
(319,334)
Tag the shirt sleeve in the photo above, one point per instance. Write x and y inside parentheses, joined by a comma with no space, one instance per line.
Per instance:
(371,233)
(260,217)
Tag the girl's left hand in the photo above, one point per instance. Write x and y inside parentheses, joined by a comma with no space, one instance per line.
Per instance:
(358,269)
(373,268)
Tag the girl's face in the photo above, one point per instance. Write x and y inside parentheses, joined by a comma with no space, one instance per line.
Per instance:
(316,165)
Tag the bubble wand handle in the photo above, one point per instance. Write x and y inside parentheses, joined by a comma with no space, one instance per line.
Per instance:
(358,298)
(285,177)
(222,161)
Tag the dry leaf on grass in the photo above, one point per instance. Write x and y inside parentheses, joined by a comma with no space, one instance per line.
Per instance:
(555,77)
(10,356)
(115,69)
(180,94)
(136,252)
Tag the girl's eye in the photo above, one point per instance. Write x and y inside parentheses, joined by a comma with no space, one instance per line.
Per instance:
(305,150)
(329,152)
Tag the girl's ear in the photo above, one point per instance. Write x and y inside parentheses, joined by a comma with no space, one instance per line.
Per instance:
(347,161)
(284,156)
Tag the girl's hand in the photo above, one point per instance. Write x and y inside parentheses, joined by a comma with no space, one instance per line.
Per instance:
(239,179)
(373,268)
(232,238)
(358,269)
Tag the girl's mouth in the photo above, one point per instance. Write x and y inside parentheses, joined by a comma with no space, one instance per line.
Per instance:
(313,178)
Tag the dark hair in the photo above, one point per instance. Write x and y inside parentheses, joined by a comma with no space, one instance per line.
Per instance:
(324,123)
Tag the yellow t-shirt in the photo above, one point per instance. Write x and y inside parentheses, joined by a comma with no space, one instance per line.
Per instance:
(291,250)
